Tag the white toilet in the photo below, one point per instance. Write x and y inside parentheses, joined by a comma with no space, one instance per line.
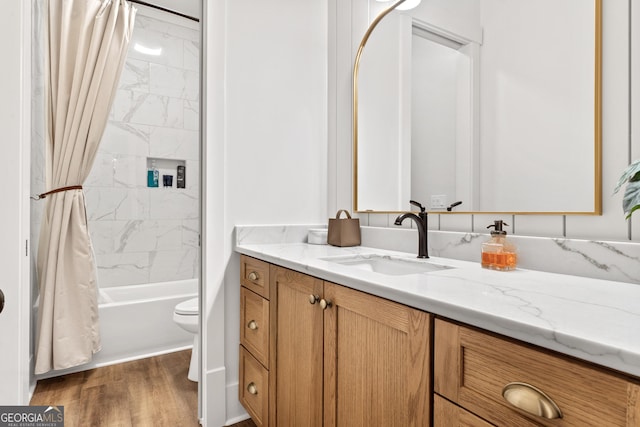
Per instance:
(185,315)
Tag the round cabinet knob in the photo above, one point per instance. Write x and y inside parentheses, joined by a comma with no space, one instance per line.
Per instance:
(532,400)
(251,388)
(253,276)
(313,299)
(252,325)
(325,304)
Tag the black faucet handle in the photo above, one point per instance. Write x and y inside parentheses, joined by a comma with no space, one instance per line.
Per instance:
(453,205)
(417,204)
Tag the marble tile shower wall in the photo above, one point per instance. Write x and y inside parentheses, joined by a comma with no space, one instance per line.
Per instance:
(141,234)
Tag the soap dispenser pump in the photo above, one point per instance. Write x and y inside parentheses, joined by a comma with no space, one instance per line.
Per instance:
(498,253)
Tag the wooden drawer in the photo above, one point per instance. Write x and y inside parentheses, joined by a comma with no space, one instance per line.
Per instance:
(254,325)
(447,414)
(253,388)
(472,367)
(254,274)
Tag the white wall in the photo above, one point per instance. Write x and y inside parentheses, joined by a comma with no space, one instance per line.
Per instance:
(266,152)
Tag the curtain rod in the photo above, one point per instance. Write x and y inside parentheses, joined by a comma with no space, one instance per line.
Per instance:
(144,3)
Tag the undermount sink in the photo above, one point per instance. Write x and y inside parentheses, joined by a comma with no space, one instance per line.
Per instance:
(385,264)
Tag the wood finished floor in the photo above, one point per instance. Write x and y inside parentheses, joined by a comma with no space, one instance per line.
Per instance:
(146,392)
(247,423)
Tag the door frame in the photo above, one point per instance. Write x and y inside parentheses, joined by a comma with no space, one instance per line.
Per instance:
(15,122)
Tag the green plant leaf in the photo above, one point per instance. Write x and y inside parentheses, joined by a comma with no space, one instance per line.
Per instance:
(631,173)
(636,207)
(631,199)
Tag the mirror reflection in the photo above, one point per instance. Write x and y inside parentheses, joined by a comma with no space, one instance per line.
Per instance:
(487,102)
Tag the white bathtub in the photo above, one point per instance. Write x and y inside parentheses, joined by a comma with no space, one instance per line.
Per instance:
(137,321)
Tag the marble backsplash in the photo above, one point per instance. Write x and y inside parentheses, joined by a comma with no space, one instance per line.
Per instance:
(141,234)
(617,261)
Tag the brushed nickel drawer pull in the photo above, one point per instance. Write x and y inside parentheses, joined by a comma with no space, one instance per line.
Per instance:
(252,325)
(251,388)
(253,276)
(325,304)
(531,399)
(313,299)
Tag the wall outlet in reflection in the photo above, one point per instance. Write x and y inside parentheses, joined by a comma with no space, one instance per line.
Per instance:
(438,201)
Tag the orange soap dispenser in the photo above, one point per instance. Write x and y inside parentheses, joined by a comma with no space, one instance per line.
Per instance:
(498,253)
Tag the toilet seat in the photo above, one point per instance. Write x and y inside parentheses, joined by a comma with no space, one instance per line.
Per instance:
(188,307)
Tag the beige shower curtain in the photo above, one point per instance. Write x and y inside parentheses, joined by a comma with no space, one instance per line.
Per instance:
(88,42)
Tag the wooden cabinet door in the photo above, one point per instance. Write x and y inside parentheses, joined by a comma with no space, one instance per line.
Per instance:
(377,361)
(298,349)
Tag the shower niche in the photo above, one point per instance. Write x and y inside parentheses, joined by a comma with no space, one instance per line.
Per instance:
(166,173)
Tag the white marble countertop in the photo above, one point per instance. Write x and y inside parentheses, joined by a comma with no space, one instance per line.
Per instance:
(591,319)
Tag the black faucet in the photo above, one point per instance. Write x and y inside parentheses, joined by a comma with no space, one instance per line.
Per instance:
(421,222)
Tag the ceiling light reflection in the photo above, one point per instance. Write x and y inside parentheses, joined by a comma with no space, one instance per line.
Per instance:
(147,50)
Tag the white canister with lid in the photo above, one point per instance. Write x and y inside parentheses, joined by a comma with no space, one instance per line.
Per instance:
(317,236)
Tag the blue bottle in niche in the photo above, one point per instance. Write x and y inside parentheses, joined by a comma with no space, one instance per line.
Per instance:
(153,176)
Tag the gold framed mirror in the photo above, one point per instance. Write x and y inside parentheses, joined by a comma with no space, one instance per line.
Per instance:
(526,109)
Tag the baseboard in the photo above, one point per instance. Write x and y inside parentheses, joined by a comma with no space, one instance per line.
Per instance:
(235,410)
(236,420)
(214,411)
(32,380)
(32,389)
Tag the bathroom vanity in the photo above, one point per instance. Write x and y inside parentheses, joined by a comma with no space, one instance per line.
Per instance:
(333,347)
(330,340)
